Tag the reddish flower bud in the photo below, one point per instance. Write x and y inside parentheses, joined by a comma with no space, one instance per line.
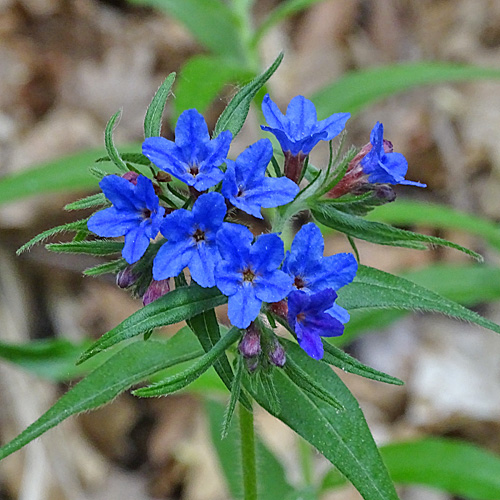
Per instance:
(126,277)
(279,308)
(277,354)
(131,177)
(156,290)
(249,346)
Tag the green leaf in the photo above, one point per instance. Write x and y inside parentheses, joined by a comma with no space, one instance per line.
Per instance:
(207,330)
(113,153)
(342,437)
(339,358)
(180,380)
(173,307)
(129,366)
(235,114)
(377,232)
(211,22)
(152,120)
(214,72)
(271,476)
(108,267)
(233,399)
(374,289)
(281,12)
(79,225)
(406,212)
(137,158)
(358,89)
(94,200)
(467,284)
(453,466)
(93,247)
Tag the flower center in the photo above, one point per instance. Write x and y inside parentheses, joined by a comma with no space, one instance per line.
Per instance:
(299,282)
(194,170)
(199,235)
(301,317)
(146,213)
(248,275)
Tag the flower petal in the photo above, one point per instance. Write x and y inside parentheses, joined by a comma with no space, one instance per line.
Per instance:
(311,343)
(202,264)
(112,222)
(273,286)
(243,306)
(136,243)
(209,211)
(233,241)
(274,117)
(172,258)
(267,253)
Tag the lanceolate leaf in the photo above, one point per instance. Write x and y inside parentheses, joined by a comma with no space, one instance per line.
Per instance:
(235,114)
(93,247)
(173,307)
(339,358)
(468,285)
(207,330)
(113,153)
(377,232)
(180,380)
(456,467)
(341,436)
(359,89)
(80,225)
(129,366)
(406,212)
(374,289)
(94,200)
(152,121)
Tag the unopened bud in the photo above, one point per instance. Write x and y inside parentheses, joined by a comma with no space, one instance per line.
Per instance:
(126,277)
(249,346)
(156,290)
(131,177)
(385,193)
(279,308)
(277,354)
(251,364)
(162,176)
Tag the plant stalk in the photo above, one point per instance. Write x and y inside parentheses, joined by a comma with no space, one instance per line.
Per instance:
(248,462)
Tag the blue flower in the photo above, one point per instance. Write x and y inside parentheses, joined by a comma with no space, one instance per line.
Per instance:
(191,241)
(249,274)
(135,214)
(309,317)
(246,186)
(382,167)
(299,130)
(193,158)
(311,271)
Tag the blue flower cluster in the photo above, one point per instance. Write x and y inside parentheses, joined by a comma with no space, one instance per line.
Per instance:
(250,271)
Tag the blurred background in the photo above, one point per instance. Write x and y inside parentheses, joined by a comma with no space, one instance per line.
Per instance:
(67,66)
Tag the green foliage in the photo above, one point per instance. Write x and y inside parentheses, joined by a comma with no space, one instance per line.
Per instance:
(377,232)
(341,436)
(173,307)
(152,120)
(272,483)
(235,114)
(93,247)
(211,22)
(129,366)
(113,153)
(456,467)
(92,201)
(361,88)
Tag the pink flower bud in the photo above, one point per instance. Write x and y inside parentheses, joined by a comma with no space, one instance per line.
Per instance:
(156,290)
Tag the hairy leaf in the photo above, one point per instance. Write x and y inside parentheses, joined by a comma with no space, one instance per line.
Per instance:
(152,120)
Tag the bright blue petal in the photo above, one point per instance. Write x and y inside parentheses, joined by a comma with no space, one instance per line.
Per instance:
(267,253)
(234,242)
(209,211)
(136,243)
(202,264)
(272,192)
(333,125)
(145,193)
(306,251)
(119,191)
(274,117)
(311,343)
(301,117)
(218,149)
(207,177)
(252,162)
(286,143)
(334,272)
(228,278)
(178,225)
(273,286)
(243,306)
(191,135)
(172,258)
(339,313)
(112,222)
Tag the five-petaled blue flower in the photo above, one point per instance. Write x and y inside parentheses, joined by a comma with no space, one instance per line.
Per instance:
(135,214)
(191,241)
(382,167)
(311,271)
(249,273)
(246,186)
(193,158)
(308,316)
(299,130)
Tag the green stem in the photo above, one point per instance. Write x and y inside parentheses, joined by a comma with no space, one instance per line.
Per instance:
(248,463)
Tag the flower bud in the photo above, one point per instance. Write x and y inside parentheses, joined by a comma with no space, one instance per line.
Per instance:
(294,165)
(279,308)
(156,290)
(131,177)
(251,364)
(277,354)
(126,277)
(249,346)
